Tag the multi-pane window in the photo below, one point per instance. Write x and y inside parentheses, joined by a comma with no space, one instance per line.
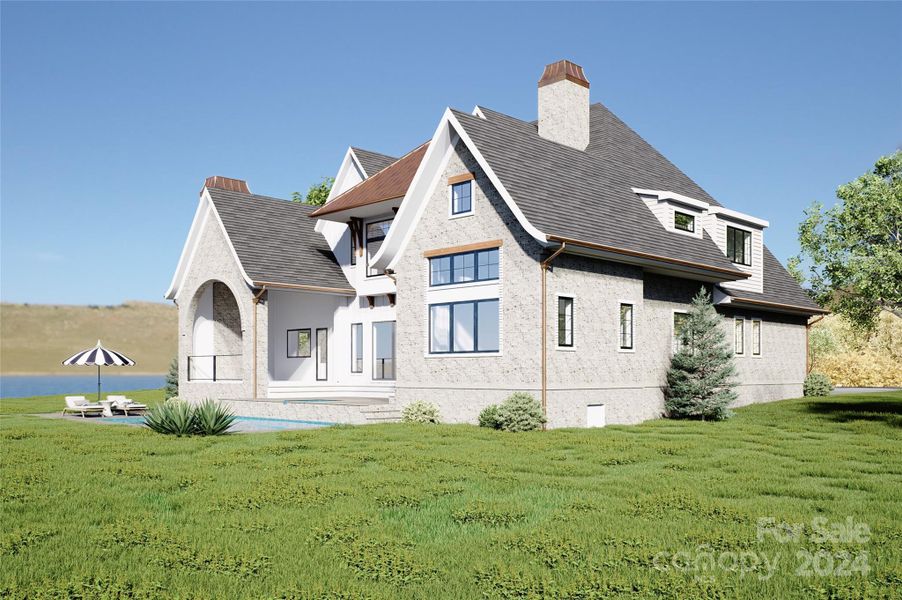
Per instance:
(681,338)
(739,336)
(481,265)
(684,221)
(298,343)
(384,350)
(626,326)
(461,198)
(739,246)
(565,321)
(464,327)
(756,338)
(357,348)
(375,234)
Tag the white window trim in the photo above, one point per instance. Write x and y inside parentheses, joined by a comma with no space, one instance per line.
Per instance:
(635,306)
(557,346)
(472,210)
(740,320)
(675,311)
(760,338)
(696,233)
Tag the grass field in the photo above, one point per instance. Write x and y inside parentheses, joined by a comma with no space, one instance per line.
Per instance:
(36,338)
(401,511)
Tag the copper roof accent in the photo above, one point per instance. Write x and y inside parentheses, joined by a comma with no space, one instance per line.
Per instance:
(389,183)
(561,70)
(226,183)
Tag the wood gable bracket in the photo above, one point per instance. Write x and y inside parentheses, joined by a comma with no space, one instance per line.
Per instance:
(356,227)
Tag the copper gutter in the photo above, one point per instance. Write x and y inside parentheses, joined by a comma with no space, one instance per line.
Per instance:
(545,265)
(802,309)
(306,288)
(256,302)
(634,253)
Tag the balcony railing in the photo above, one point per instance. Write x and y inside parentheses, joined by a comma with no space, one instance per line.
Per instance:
(214,367)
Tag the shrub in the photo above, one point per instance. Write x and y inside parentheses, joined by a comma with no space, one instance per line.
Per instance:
(212,418)
(489,417)
(177,417)
(420,412)
(817,384)
(171,389)
(700,379)
(520,412)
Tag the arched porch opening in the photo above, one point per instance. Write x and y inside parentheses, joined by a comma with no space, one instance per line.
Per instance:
(216,335)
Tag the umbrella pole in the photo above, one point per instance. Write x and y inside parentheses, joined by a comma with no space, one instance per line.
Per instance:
(98,383)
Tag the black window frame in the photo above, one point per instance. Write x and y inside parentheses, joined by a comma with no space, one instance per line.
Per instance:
(394,352)
(309,342)
(469,184)
(683,214)
(562,318)
(678,342)
(354,368)
(476,274)
(325,364)
(741,330)
(756,343)
(632,314)
(475,304)
(738,242)
(367,239)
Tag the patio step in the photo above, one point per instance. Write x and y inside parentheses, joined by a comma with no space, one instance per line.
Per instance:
(381,414)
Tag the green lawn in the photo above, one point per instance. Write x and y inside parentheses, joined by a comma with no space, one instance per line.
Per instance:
(398,511)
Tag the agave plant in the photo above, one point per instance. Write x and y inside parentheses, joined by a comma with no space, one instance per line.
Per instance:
(174,417)
(212,418)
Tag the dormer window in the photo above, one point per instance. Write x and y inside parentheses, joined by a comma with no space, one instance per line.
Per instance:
(683,221)
(739,246)
(461,198)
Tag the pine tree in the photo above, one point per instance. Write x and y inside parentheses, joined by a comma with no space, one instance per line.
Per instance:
(171,390)
(700,380)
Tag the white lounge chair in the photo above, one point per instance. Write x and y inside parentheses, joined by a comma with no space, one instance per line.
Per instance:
(124,404)
(80,405)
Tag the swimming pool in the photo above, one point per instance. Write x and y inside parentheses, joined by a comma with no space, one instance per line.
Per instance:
(242,424)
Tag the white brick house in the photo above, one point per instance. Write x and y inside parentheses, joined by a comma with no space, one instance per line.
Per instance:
(553,256)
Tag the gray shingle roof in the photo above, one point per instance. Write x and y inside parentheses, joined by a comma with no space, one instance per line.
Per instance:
(372,162)
(276,242)
(588,195)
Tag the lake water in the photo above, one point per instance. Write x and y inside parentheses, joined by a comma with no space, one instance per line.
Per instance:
(18,386)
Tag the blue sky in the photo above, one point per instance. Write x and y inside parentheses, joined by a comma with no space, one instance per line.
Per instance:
(113,114)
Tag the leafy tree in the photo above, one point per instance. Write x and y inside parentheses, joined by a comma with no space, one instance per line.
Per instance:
(171,389)
(317,194)
(700,379)
(854,250)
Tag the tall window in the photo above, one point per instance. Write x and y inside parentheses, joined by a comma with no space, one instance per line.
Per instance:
(680,334)
(457,327)
(565,322)
(739,246)
(626,326)
(384,350)
(461,198)
(739,336)
(357,348)
(481,265)
(375,234)
(684,221)
(756,338)
(353,247)
(322,354)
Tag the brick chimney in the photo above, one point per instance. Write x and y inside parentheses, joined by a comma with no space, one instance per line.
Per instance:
(564,105)
(226,183)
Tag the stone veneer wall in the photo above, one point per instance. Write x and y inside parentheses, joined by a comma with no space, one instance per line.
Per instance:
(213,262)
(594,371)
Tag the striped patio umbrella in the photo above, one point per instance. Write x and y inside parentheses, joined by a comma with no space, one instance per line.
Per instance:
(100,357)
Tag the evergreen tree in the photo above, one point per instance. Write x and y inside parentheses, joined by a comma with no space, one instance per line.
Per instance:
(171,390)
(700,380)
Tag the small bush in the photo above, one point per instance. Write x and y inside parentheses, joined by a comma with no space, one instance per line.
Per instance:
(817,384)
(489,417)
(520,412)
(177,417)
(420,412)
(212,418)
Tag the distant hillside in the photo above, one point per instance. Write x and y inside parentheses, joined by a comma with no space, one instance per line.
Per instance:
(36,338)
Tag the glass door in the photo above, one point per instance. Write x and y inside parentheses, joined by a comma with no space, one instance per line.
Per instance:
(384,350)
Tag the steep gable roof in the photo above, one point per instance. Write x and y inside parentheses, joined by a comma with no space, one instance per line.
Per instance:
(372,162)
(388,184)
(779,288)
(575,195)
(276,242)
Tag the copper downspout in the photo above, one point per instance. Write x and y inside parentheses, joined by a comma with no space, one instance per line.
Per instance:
(256,302)
(808,325)
(546,264)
